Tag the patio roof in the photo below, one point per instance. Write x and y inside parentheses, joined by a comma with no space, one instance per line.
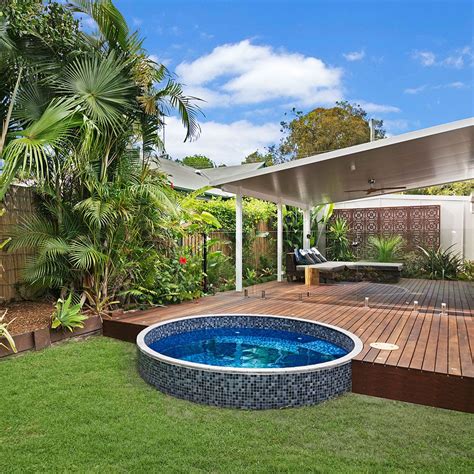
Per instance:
(189,179)
(426,157)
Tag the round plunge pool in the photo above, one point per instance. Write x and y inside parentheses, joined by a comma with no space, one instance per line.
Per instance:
(247,361)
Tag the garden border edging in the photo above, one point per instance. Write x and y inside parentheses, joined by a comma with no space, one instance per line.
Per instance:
(44,337)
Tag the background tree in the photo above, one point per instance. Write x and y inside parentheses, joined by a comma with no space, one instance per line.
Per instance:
(460,188)
(257,157)
(199,162)
(324,129)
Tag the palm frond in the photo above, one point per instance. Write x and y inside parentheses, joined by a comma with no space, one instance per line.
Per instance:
(33,233)
(32,101)
(187,109)
(85,255)
(97,212)
(111,23)
(46,272)
(30,149)
(100,87)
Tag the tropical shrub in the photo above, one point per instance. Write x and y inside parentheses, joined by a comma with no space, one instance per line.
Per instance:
(67,315)
(339,247)
(81,120)
(250,276)
(385,249)
(413,265)
(6,334)
(467,270)
(292,228)
(440,264)
(220,271)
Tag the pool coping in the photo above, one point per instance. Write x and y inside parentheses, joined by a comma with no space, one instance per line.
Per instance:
(144,348)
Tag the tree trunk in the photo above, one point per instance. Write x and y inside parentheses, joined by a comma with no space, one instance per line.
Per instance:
(6,122)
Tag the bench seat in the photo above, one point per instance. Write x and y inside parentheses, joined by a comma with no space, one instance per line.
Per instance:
(335,266)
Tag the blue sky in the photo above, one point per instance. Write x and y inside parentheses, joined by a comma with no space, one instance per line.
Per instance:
(409,63)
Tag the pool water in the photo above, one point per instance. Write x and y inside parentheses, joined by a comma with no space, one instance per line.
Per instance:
(248,348)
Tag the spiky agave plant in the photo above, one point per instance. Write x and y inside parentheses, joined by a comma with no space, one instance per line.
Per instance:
(4,332)
(441,264)
(385,249)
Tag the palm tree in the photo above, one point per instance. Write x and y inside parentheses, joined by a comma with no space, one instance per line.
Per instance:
(108,98)
(73,128)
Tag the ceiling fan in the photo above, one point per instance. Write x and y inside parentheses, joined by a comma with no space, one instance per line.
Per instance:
(372,189)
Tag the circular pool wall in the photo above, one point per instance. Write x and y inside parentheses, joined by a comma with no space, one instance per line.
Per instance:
(248,388)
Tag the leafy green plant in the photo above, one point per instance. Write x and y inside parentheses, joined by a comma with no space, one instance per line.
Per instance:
(220,270)
(320,217)
(251,276)
(67,315)
(339,247)
(440,264)
(413,265)
(6,334)
(292,228)
(467,270)
(385,249)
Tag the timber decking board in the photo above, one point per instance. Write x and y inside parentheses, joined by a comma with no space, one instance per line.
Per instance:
(428,342)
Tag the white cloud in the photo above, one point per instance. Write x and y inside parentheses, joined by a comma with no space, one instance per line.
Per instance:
(205,35)
(355,55)
(136,21)
(450,85)
(458,59)
(224,143)
(370,107)
(426,58)
(158,60)
(456,85)
(245,73)
(395,127)
(415,90)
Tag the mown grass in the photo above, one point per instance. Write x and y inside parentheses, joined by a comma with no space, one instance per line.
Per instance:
(81,406)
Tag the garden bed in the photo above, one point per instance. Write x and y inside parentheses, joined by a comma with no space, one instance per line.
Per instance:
(27,316)
(30,326)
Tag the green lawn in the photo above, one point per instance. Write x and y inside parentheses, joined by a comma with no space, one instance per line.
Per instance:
(81,406)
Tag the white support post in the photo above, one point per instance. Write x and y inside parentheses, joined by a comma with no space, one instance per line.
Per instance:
(306,227)
(279,241)
(238,242)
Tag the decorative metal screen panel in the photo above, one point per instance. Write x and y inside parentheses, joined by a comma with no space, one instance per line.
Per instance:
(418,225)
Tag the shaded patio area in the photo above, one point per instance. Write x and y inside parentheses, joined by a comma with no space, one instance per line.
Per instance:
(433,364)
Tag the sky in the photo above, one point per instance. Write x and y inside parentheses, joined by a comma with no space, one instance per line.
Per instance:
(407,62)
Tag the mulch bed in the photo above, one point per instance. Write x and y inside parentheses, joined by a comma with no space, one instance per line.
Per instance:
(27,315)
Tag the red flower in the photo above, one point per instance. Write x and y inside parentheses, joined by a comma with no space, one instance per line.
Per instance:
(183,260)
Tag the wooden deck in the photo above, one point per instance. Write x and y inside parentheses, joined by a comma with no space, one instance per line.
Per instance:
(434,362)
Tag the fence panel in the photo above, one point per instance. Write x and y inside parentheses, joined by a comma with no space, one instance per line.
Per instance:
(418,225)
(19,205)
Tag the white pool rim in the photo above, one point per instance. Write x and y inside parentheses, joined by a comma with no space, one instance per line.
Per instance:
(145,349)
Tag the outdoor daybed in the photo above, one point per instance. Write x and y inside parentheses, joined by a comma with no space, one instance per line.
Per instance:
(329,271)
